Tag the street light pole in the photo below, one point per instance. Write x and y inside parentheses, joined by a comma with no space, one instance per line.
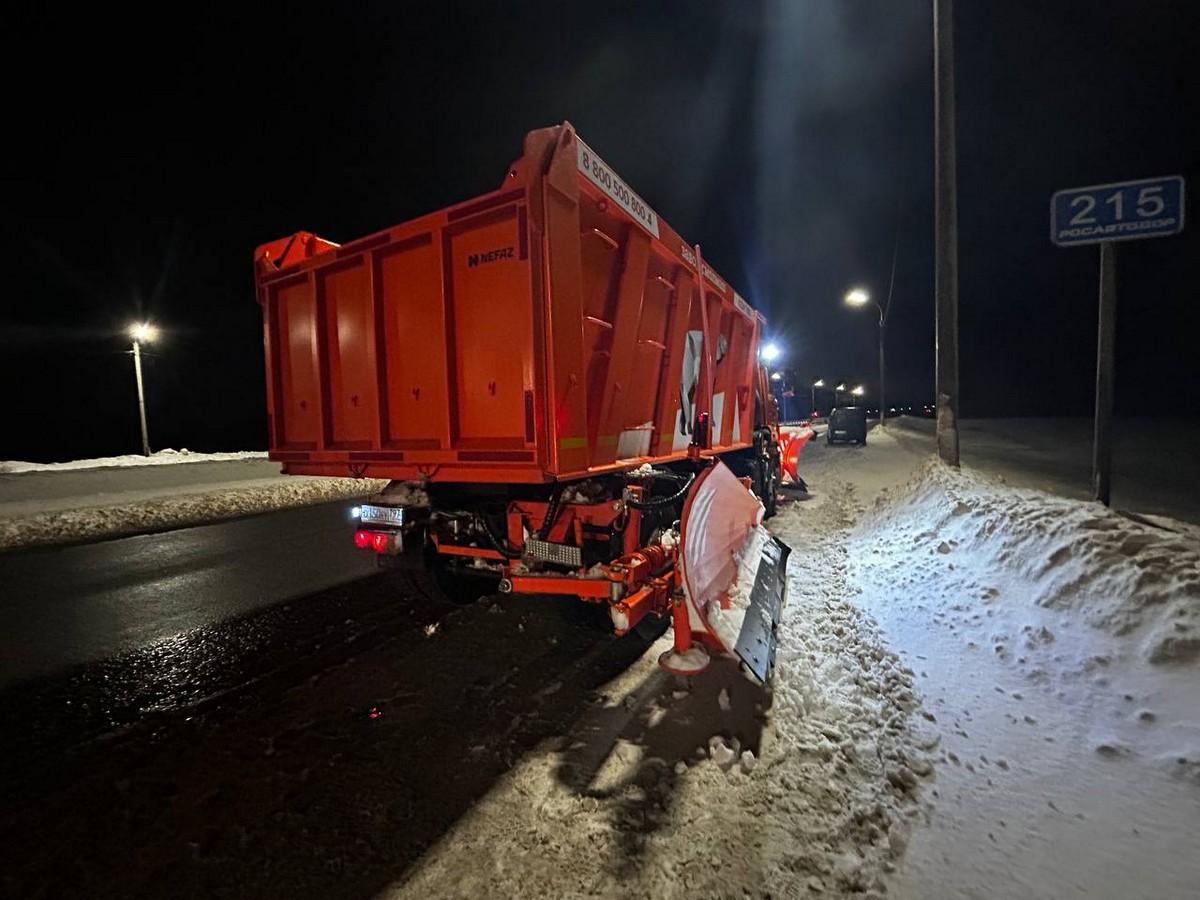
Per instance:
(883,313)
(137,371)
(141,332)
(861,297)
(945,232)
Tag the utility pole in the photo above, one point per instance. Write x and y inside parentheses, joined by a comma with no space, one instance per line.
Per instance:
(945,232)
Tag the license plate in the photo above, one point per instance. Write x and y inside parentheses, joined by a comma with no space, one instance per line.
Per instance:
(381,515)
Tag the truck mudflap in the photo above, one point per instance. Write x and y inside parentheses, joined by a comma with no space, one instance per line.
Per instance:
(734,577)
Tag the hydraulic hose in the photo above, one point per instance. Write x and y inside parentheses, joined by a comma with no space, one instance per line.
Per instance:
(657,502)
(551,512)
(501,546)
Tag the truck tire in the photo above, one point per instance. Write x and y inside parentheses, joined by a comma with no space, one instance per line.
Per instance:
(439,583)
(766,478)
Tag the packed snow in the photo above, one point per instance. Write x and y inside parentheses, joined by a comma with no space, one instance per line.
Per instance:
(158,458)
(981,692)
(93,520)
(713,786)
(97,499)
(1053,642)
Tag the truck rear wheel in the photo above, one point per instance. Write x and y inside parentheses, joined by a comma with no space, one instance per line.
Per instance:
(443,584)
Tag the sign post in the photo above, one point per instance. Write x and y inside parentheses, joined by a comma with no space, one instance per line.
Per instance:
(1105,342)
(1104,214)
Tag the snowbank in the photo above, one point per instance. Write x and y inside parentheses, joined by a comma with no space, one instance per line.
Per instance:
(1131,579)
(179,510)
(159,458)
(1056,648)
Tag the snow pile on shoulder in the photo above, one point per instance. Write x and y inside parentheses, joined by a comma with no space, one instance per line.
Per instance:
(158,458)
(1129,578)
(179,510)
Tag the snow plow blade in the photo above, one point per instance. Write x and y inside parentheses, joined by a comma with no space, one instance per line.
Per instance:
(756,640)
(734,571)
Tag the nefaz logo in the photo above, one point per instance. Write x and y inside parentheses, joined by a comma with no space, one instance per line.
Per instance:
(478,259)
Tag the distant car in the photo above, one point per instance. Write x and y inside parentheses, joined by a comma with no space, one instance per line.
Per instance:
(847,424)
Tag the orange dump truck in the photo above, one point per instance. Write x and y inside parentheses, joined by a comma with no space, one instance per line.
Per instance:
(541,373)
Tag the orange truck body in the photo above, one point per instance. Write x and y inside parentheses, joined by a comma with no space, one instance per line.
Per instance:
(556,328)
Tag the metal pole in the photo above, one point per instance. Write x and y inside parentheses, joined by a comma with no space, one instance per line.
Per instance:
(883,314)
(1105,341)
(882,396)
(137,371)
(945,232)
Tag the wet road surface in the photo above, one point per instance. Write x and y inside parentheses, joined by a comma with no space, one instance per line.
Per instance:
(68,605)
(312,747)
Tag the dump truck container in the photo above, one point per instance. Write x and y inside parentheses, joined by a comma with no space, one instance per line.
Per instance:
(554,328)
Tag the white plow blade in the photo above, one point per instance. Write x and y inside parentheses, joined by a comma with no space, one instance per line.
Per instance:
(733,568)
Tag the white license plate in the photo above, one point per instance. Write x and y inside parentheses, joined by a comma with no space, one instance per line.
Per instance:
(381,515)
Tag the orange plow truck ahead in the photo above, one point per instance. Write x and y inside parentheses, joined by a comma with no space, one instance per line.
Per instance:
(565,398)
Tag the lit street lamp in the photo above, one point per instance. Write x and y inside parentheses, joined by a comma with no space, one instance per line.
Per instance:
(142,332)
(857,297)
(770,352)
(840,388)
(777,376)
(820,382)
(859,390)
(860,297)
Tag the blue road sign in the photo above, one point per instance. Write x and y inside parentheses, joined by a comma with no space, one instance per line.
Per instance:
(1126,211)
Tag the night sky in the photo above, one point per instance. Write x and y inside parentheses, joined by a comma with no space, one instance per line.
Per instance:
(144,160)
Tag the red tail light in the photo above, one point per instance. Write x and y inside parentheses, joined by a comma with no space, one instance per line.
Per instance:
(362,539)
(379,542)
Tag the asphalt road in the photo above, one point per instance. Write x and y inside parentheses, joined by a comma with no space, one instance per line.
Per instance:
(210,722)
(66,606)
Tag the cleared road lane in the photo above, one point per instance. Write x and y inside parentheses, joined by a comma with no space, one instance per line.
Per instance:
(61,606)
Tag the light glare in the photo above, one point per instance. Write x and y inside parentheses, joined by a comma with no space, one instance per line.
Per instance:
(143,332)
(857,297)
(771,352)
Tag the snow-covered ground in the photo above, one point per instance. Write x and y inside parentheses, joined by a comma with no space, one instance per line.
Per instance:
(982,692)
(96,499)
(166,457)
(1057,645)
(712,786)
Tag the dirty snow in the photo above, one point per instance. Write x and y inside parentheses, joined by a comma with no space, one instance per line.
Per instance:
(981,692)
(177,509)
(405,493)
(158,458)
(713,786)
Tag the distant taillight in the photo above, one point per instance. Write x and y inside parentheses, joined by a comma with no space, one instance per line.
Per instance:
(362,539)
